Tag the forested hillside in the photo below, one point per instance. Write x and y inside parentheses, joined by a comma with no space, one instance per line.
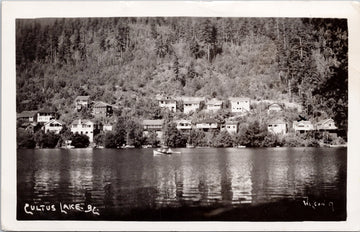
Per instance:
(127,61)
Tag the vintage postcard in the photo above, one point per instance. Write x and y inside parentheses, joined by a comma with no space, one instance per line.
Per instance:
(180,115)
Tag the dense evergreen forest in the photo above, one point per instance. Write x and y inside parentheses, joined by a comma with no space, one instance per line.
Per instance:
(127,61)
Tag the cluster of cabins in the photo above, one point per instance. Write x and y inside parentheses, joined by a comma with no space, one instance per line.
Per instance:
(192,104)
(238,105)
(48,121)
(279,127)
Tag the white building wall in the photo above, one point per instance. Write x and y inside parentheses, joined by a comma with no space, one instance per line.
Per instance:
(232,128)
(54,129)
(191,107)
(298,126)
(277,128)
(44,118)
(85,129)
(213,107)
(240,106)
(166,104)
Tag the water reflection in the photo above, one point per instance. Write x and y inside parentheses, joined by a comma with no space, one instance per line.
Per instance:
(127,179)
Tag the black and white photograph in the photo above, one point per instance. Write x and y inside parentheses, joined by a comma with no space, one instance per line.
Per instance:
(178,118)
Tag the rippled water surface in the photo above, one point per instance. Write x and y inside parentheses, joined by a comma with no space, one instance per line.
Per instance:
(123,180)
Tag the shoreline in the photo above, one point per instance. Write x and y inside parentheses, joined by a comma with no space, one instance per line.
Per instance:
(140,148)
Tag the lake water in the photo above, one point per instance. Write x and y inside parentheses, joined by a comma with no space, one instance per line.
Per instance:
(129,183)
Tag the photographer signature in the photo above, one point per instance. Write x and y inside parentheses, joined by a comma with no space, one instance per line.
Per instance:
(318,204)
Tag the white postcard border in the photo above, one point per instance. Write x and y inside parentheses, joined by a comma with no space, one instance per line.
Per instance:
(30,9)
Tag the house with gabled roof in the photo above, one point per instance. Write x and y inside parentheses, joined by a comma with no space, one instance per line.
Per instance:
(213,105)
(45,115)
(29,116)
(166,102)
(82,102)
(239,104)
(102,109)
(231,127)
(277,126)
(54,126)
(303,126)
(84,127)
(192,104)
(326,125)
(153,125)
(274,107)
(207,125)
(183,125)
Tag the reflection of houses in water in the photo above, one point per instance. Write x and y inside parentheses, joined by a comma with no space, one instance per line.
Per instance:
(80,172)
(46,178)
(278,181)
(166,186)
(240,177)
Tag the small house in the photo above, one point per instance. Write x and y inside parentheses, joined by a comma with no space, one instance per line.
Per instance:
(239,104)
(277,127)
(153,126)
(231,127)
(44,116)
(302,126)
(275,107)
(192,104)
(82,102)
(183,125)
(28,126)
(54,126)
(213,105)
(326,125)
(84,127)
(107,127)
(102,109)
(207,125)
(166,102)
(28,116)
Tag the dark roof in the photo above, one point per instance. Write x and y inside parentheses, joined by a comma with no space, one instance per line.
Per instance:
(100,104)
(26,114)
(47,110)
(209,120)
